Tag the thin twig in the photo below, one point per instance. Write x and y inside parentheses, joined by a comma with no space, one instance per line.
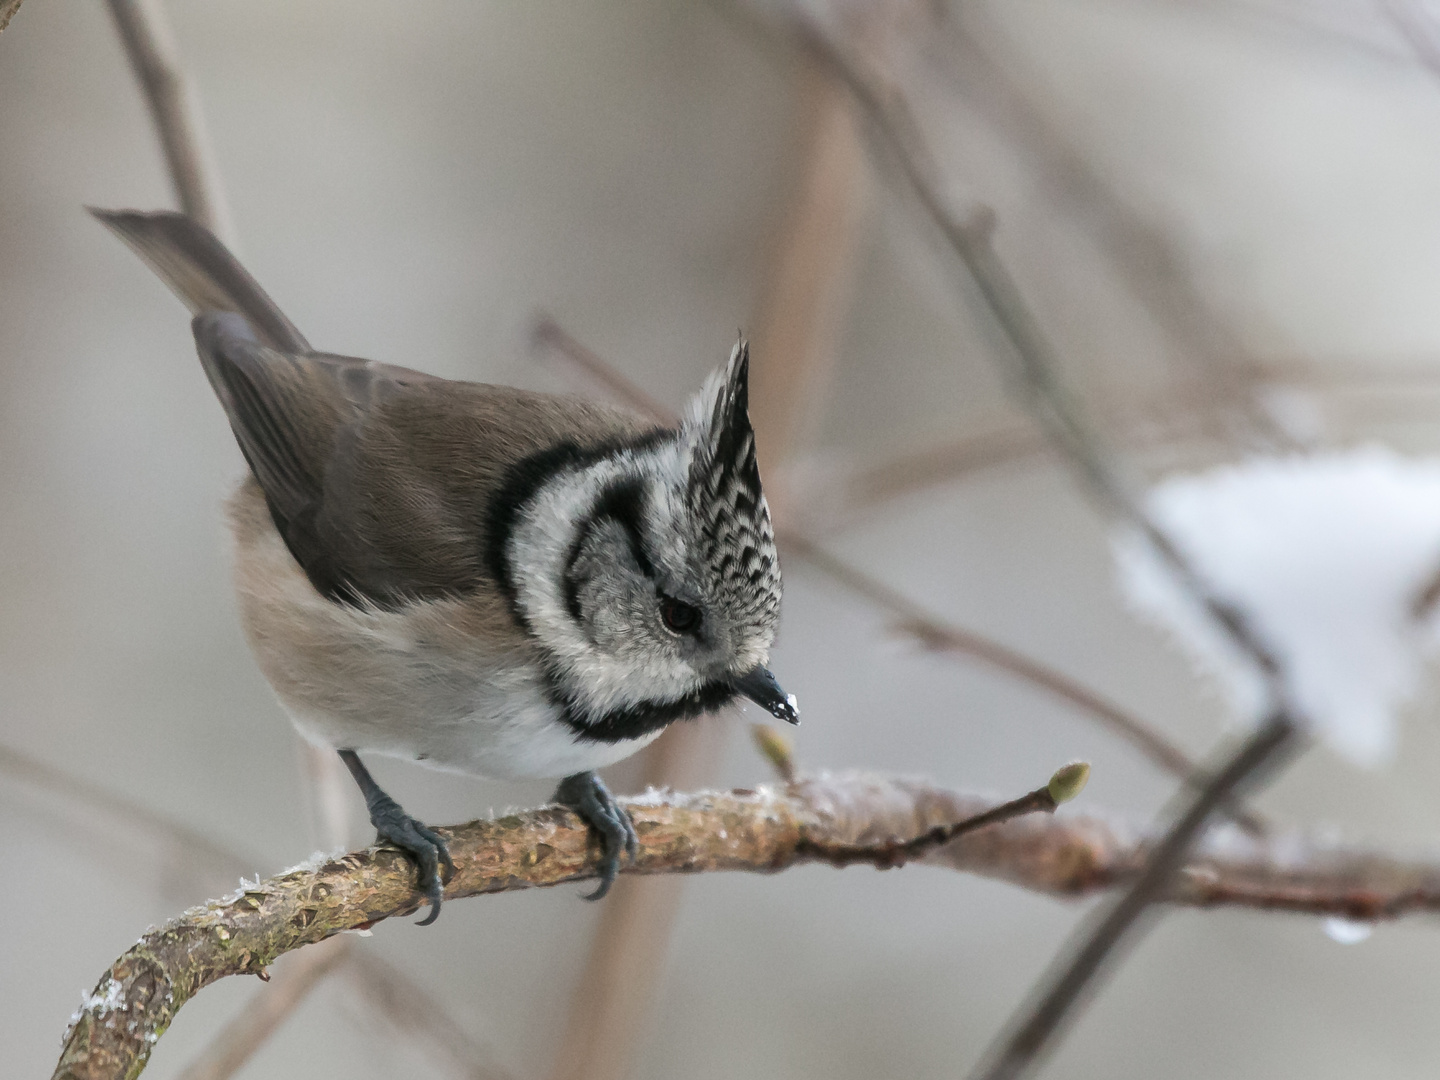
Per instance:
(175,109)
(7,11)
(411,1010)
(1150,266)
(1035,379)
(935,634)
(201,857)
(924,627)
(1422,35)
(1019,1050)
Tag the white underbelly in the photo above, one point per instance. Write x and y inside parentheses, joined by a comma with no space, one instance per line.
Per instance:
(511,733)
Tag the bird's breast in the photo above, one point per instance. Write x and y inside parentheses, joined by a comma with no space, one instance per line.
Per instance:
(453,683)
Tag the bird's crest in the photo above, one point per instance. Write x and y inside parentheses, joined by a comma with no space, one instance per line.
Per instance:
(725,497)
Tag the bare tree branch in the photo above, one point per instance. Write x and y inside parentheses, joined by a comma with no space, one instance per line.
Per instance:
(137,999)
(150,46)
(200,861)
(841,820)
(7,11)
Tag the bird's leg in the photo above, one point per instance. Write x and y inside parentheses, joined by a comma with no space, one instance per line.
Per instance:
(591,799)
(421,843)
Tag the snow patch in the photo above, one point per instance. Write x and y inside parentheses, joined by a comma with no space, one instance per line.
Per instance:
(1325,554)
(1347,931)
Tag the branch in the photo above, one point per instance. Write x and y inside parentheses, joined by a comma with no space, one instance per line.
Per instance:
(841,820)
(150,47)
(7,11)
(1149,264)
(411,1010)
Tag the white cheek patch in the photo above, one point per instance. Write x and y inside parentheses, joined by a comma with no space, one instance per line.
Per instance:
(538,551)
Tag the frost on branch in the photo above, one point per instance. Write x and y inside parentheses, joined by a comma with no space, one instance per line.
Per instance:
(1324,553)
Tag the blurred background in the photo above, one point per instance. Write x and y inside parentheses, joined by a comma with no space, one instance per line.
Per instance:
(1227,213)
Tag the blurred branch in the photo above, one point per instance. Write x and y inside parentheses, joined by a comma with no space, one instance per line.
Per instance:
(200,856)
(249,1029)
(804,295)
(411,1011)
(1146,257)
(921,626)
(7,11)
(1034,376)
(1035,1025)
(841,820)
(150,47)
(175,109)
(934,634)
(1422,34)
(1418,29)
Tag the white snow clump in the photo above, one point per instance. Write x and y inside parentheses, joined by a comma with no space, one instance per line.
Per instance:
(1324,554)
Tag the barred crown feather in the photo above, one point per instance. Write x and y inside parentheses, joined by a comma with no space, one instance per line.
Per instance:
(737,540)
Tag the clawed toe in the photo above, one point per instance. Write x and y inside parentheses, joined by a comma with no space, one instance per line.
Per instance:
(591,799)
(423,844)
(394,826)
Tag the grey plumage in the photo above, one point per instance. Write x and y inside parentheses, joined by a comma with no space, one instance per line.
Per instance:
(492,580)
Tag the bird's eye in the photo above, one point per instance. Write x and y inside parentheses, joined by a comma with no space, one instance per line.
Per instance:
(678,616)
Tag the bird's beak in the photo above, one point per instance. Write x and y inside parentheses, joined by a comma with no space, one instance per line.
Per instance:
(760,687)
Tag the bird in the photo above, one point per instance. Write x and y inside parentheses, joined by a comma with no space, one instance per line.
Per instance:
(484,579)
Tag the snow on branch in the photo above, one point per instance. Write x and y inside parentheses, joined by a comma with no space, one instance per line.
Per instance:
(1329,551)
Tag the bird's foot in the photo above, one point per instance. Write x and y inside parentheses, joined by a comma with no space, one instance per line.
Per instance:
(422,843)
(587,795)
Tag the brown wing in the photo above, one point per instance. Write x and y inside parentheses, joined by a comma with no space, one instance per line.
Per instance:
(380,479)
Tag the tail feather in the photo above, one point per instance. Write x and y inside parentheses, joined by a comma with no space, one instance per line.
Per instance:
(201,271)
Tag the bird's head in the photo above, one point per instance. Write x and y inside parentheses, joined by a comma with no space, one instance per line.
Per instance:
(657,593)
